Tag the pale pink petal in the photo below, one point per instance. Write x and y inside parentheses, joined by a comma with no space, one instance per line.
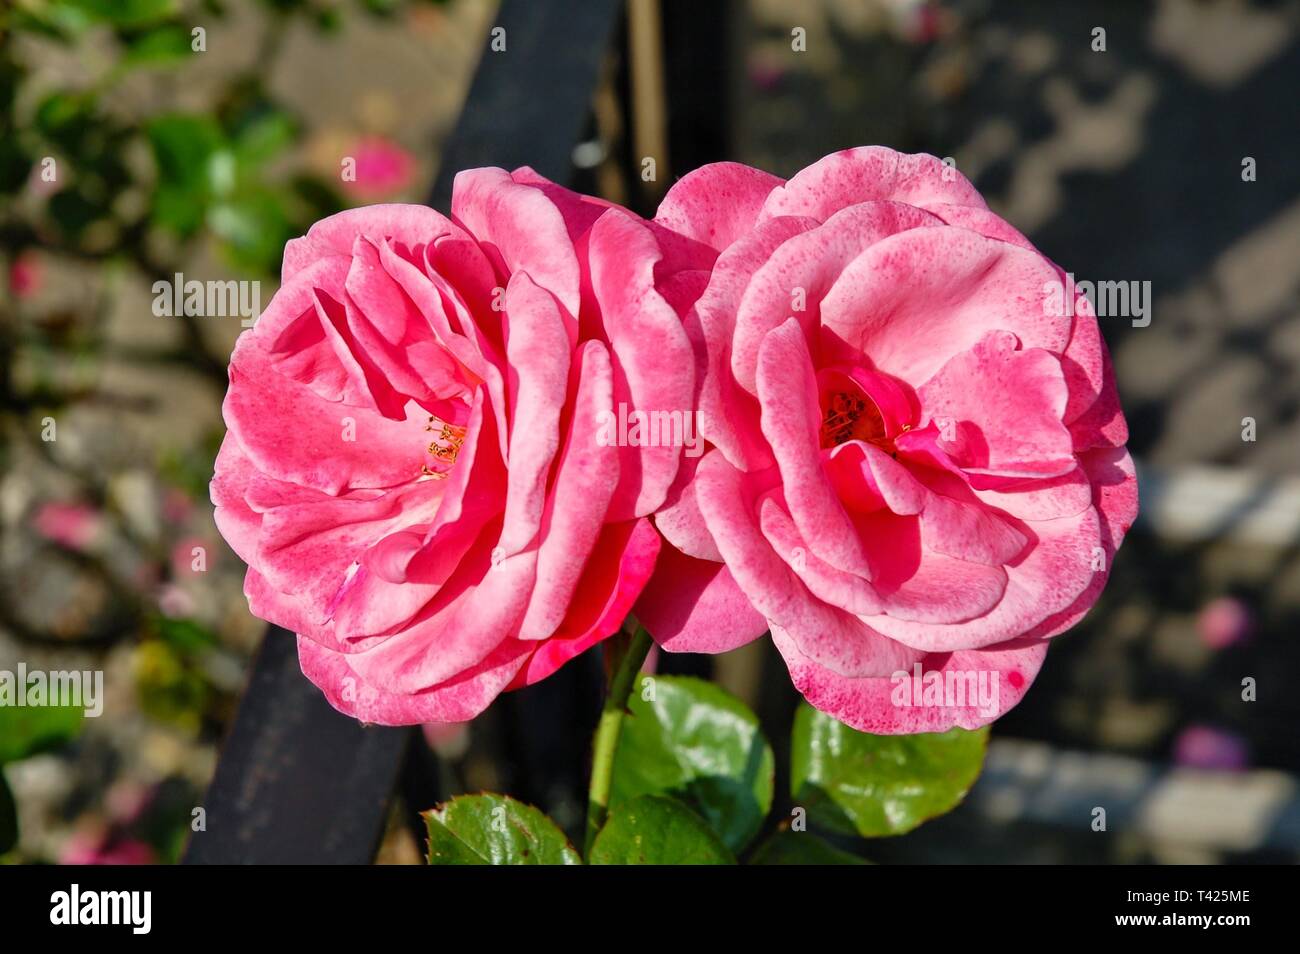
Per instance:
(290,433)
(654,365)
(456,700)
(537,348)
(1048,578)
(799,274)
(716,204)
(999,410)
(586,476)
(522,226)
(913,300)
(866,173)
(728,414)
(411,226)
(869,704)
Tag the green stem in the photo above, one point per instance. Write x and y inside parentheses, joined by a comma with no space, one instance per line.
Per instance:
(611,721)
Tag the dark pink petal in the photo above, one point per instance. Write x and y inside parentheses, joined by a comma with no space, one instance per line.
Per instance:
(694,606)
(621,563)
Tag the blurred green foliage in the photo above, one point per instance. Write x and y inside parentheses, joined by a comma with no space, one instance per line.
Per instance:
(103,168)
(213,173)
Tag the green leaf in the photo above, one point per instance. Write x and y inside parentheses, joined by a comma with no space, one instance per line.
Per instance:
(264,137)
(653,830)
(162,46)
(119,13)
(801,848)
(186,636)
(495,830)
(8,817)
(184,147)
(695,742)
(28,730)
(255,227)
(872,785)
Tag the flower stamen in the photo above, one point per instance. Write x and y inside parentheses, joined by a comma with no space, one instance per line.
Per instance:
(443,449)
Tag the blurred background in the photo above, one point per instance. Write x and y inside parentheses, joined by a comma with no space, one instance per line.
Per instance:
(141,138)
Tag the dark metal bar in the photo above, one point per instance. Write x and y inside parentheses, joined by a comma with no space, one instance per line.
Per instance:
(297,783)
(528,103)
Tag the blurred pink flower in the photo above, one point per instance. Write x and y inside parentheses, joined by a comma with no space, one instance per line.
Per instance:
(1204,747)
(183,556)
(73,525)
(40,186)
(382,167)
(93,848)
(1224,622)
(915,21)
(174,602)
(26,275)
(449,739)
(177,506)
(765,76)
(127,800)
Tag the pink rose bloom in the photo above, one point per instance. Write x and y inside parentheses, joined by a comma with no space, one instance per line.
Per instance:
(413,470)
(916,468)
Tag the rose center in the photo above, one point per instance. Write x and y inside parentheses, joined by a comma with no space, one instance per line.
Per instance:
(852,416)
(443,449)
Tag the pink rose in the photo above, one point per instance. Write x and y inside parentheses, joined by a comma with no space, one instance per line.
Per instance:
(413,470)
(918,473)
